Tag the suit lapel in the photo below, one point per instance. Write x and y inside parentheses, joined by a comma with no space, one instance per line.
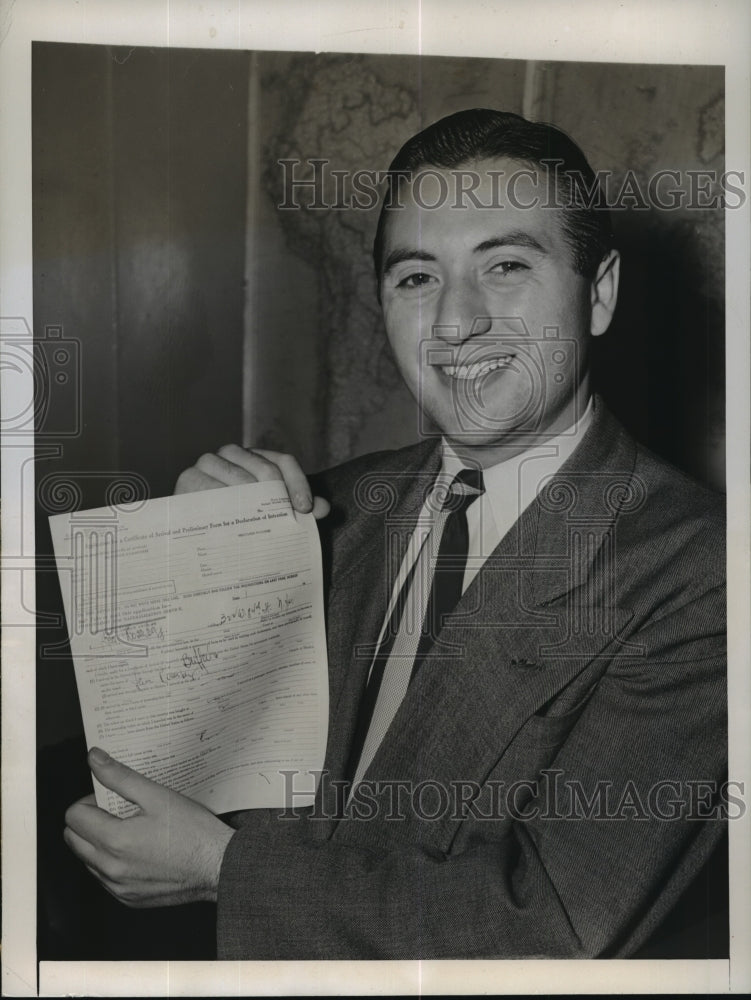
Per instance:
(577,509)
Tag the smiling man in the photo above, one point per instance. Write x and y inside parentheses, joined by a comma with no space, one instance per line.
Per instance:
(525,619)
(481,300)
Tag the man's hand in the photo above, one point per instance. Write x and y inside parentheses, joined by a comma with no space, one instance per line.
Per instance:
(233,465)
(169,853)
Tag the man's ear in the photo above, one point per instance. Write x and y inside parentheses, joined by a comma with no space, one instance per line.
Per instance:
(604,293)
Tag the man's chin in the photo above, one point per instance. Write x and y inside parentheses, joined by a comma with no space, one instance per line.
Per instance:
(478,426)
(504,432)
(492,448)
(483,438)
(467,439)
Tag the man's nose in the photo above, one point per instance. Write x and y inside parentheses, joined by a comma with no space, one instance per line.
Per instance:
(461,312)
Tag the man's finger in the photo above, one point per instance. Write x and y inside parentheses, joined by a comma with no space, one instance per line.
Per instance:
(126,782)
(297,484)
(192,480)
(83,849)
(233,465)
(222,468)
(257,464)
(265,465)
(98,863)
(294,478)
(90,824)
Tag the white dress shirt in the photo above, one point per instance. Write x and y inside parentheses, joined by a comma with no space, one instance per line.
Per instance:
(510,487)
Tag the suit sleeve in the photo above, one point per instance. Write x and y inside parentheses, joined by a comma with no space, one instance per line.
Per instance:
(590,875)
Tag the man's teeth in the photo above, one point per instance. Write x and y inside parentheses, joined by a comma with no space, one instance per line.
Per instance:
(478,368)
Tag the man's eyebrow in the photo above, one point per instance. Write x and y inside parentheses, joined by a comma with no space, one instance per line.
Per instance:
(397,256)
(516,238)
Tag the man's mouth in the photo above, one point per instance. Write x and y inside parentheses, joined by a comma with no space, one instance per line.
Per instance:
(478,368)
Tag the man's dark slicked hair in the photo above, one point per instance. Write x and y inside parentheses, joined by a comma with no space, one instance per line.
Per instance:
(483,134)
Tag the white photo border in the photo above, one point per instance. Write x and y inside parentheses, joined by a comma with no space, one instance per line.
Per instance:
(639,31)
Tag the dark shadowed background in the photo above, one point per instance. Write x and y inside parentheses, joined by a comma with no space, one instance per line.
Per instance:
(191,312)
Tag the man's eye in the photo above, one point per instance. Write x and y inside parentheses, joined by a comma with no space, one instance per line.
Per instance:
(417,280)
(506,267)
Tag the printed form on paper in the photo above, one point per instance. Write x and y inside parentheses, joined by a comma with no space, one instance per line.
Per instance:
(197,632)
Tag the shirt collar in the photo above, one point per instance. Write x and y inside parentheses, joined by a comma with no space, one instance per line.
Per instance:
(511,485)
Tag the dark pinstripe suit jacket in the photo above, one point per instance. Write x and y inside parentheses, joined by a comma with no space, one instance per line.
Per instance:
(537,793)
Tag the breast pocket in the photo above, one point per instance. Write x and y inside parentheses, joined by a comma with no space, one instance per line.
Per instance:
(549,727)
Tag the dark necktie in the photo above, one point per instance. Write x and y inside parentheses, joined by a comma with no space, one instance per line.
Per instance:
(451,561)
(401,650)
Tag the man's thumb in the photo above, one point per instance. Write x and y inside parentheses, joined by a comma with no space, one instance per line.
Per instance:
(123,780)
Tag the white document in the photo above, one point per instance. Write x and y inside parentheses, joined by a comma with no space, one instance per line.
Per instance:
(197,632)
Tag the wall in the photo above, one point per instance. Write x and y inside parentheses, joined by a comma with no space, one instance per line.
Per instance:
(139,248)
